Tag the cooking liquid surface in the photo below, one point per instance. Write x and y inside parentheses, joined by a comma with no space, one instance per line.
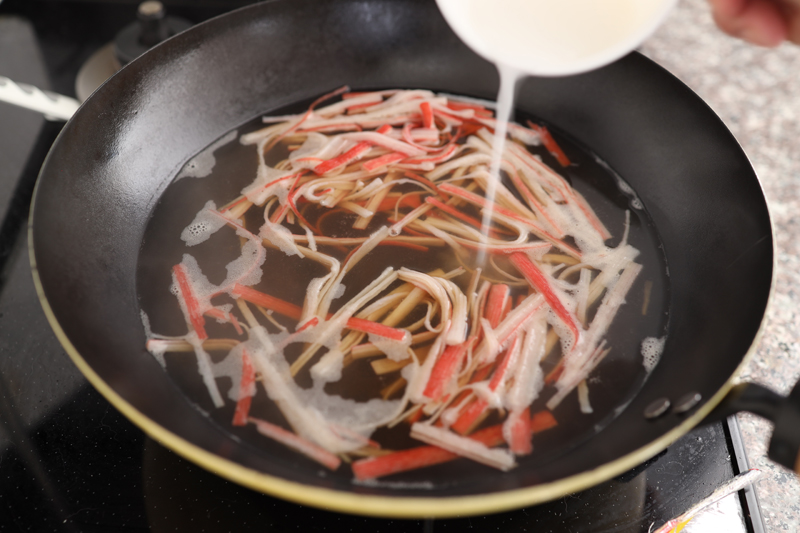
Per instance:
(611,386)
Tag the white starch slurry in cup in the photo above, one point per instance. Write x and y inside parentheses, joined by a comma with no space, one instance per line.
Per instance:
(554,38)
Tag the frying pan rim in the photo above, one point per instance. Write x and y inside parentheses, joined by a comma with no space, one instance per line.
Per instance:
(382,506)
(391,506)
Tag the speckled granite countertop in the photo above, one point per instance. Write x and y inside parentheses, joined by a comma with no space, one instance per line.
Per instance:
(756,92)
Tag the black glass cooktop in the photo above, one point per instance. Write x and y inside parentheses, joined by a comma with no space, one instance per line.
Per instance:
(70,462)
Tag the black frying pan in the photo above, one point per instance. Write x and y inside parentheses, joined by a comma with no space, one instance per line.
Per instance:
(115,158)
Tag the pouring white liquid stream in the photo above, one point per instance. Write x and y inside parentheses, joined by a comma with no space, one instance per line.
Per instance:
(546,38)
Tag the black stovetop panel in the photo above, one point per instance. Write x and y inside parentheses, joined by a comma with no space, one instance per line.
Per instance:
(70,462)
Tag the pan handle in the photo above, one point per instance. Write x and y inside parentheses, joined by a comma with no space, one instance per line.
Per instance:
(783,411)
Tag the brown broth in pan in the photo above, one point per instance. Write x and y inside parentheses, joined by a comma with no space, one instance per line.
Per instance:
(612,384)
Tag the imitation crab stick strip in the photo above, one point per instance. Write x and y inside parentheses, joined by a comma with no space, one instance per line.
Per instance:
(423,456)
(349,100)
(266,301)
(379,139)
(368,349)
(478,109)
(515,319)
(473,413)
(500,374)
(444,155)
(445,368)
(533,202)
(289,439)
(415,136)
(564,190)
(540,282)
(376,328)
(349,156)
(422,179)
(402,461)
(427,114)
(305,116)
(409,245)
(356,108)
(518,432)
(293,311)
(483,202)
(277,217)
(349,241)
(469,416)
(497,303)
(456,213)
(542,420)
(195,314)
(382,161)
(411,200)
(245,384)
(551,144)
(579,363)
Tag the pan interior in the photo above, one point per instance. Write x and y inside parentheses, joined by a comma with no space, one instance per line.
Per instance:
(115,157)
(233,166)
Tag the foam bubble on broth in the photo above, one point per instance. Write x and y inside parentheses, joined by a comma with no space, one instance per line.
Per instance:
(652,348)
(231,367)
(344,412)
(358,416)
(148,331)
(204,225)
(246,269)
(203,163)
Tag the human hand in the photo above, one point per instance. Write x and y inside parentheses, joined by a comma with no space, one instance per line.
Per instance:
(761,22)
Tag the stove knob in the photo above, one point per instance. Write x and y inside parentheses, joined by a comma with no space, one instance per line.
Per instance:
(152,27)
(151,17)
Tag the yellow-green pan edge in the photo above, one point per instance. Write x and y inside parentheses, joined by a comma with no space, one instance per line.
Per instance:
(381,506)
